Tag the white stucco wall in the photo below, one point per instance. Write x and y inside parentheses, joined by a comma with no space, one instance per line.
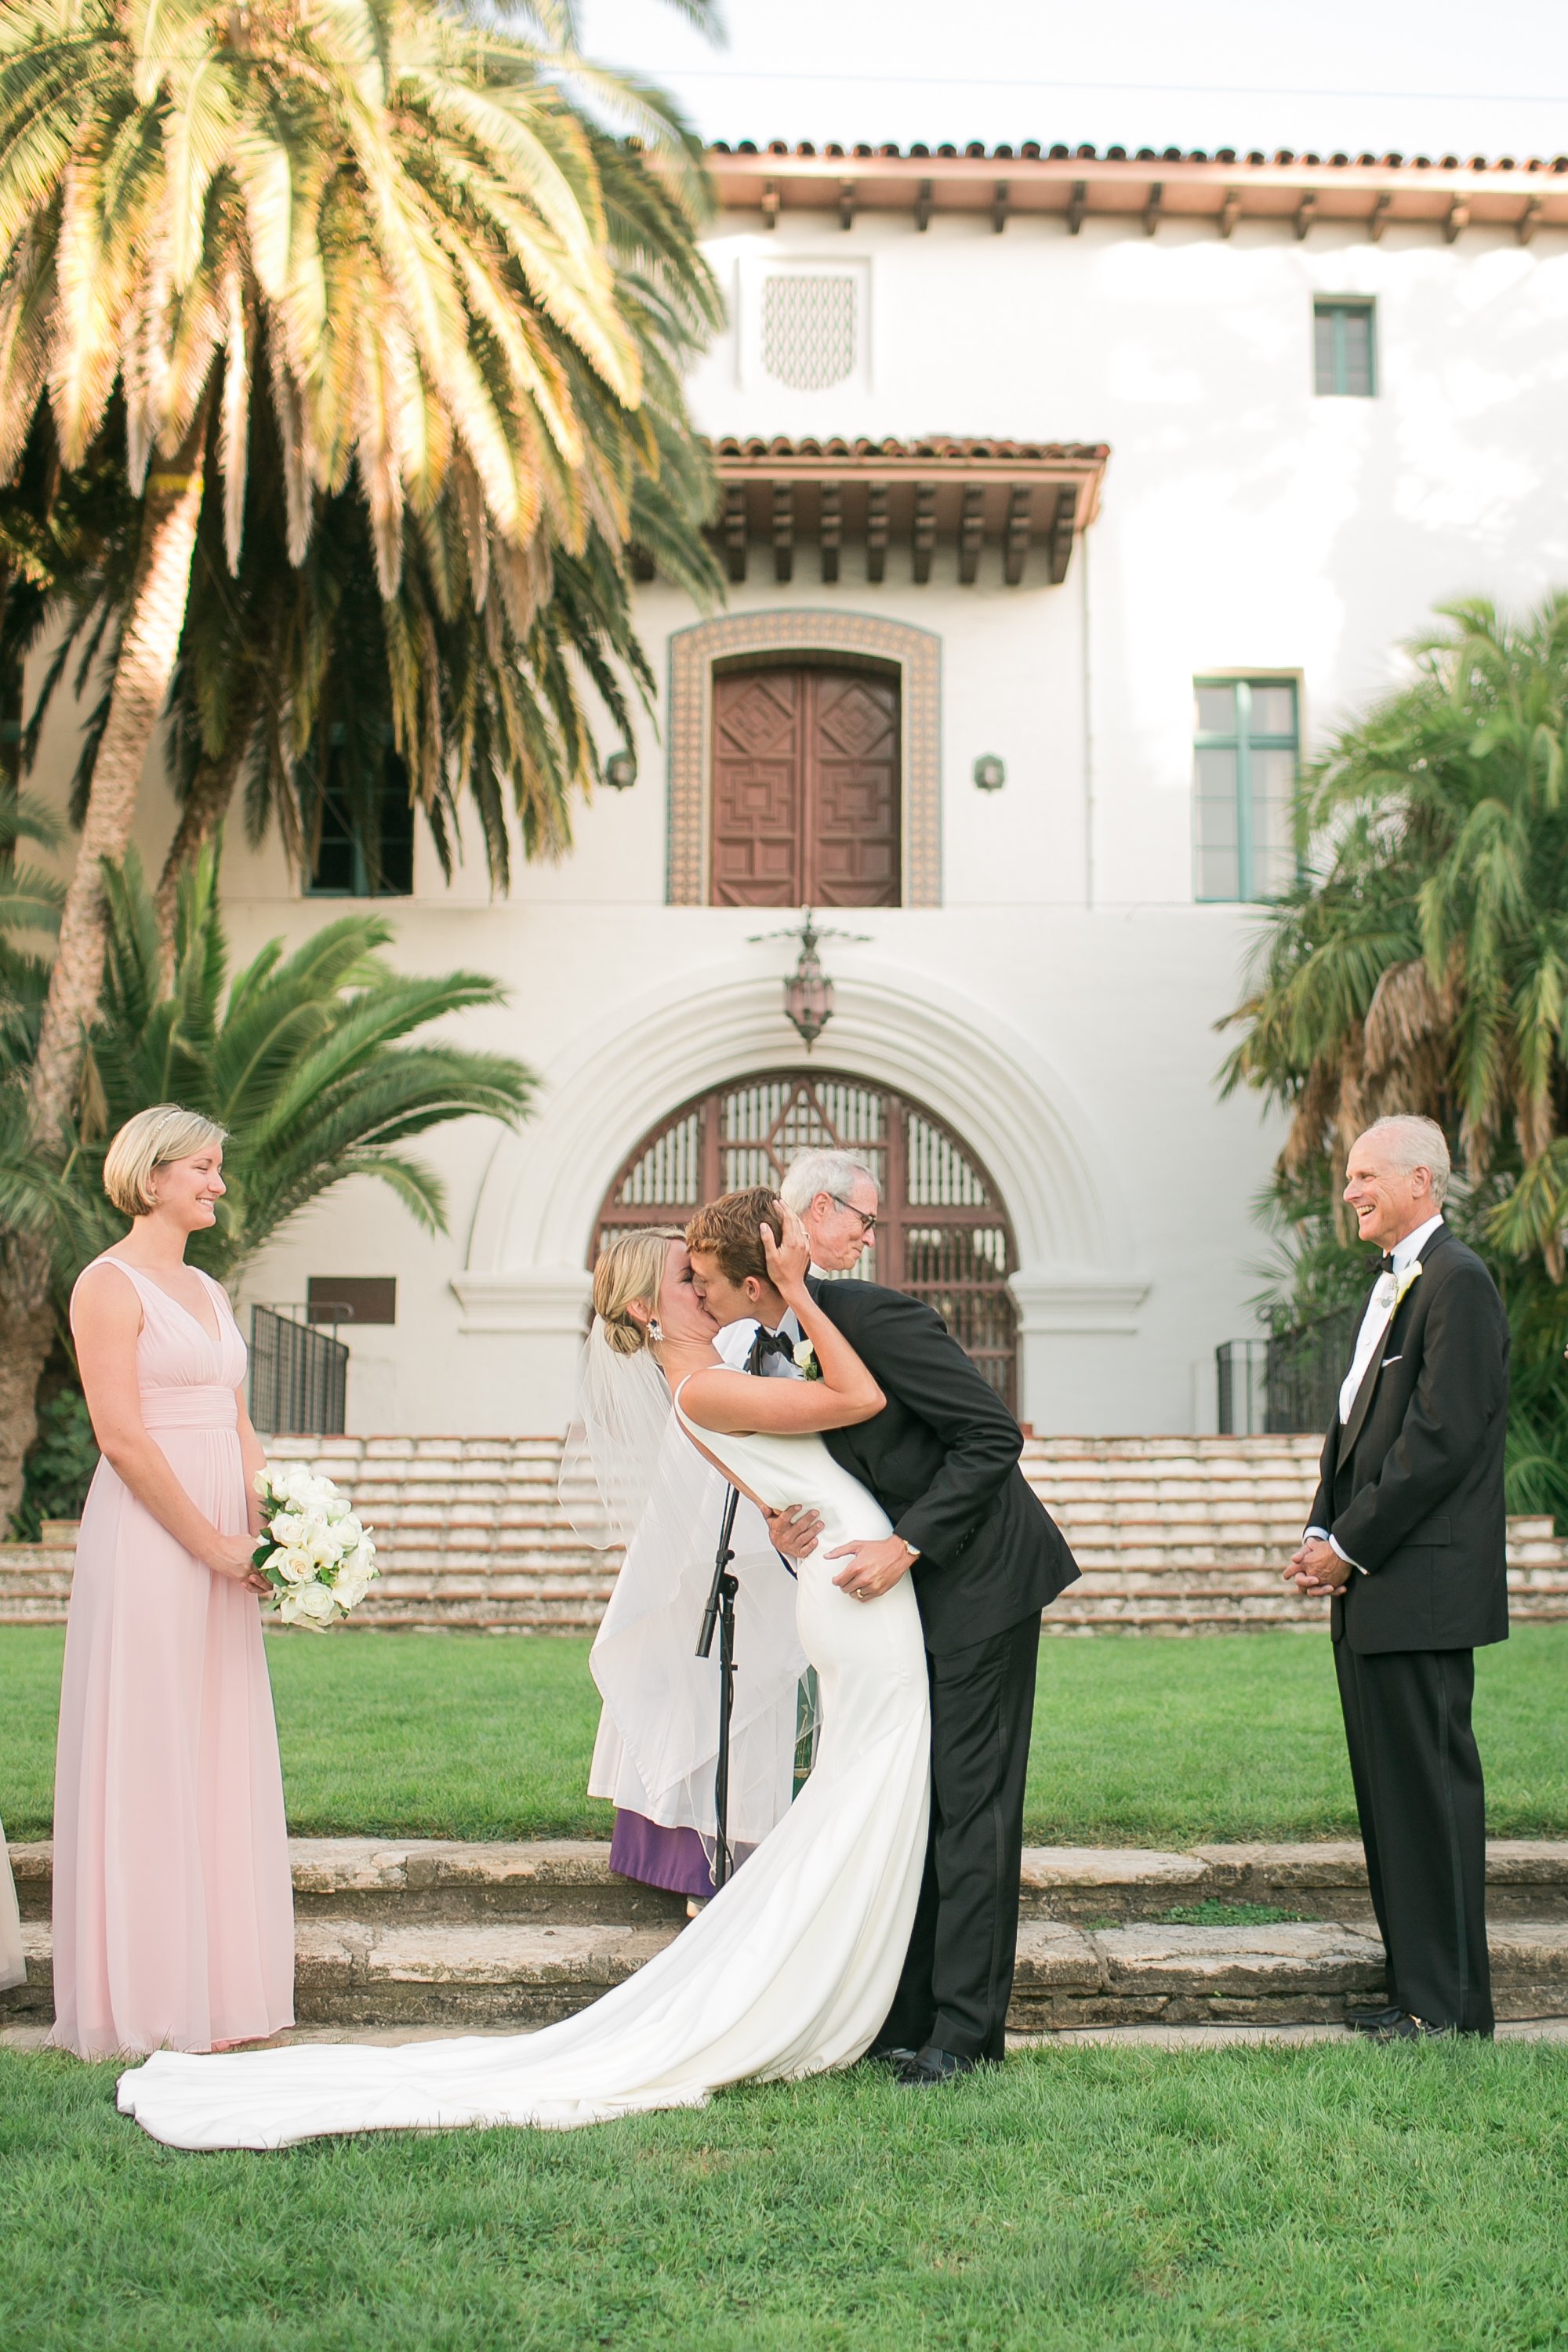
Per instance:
(1058,1007)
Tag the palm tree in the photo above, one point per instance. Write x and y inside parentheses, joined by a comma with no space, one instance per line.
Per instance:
(1421,964)
(389,220)
(303,1056)
(306,1057)
(471,670)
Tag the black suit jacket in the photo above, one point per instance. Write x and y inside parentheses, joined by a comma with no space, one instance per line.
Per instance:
(1412,1483)
(941,1458)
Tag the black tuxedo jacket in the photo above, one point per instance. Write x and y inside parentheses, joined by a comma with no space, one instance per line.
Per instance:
(1412,1485)
(941,1458)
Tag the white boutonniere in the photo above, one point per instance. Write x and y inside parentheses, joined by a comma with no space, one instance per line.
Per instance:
(1402,1281)
(805,1361)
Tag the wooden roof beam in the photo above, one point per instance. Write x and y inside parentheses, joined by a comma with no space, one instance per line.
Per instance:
(1016,546)
(999,206)
(1306,213)
(923,204)
(1061,536)
(1529,220)
(1378,219)
(770,202)
(971,534)
(783,531)
(830,528)
(1458,215)
(1078,204)
(735,534)
(1230,210)
(1152,209)
(925,531)
(875,532)
(845,203)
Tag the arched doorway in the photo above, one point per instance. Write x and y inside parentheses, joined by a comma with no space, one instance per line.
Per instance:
(943,1234)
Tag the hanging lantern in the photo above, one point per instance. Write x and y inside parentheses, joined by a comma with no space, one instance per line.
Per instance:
(808,991)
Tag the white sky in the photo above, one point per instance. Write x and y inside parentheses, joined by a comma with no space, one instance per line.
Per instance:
(1429,77)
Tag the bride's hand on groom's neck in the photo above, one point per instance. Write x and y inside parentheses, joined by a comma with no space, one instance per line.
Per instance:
(787,1260)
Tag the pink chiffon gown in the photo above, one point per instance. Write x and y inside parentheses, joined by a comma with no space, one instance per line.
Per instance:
(174,1916)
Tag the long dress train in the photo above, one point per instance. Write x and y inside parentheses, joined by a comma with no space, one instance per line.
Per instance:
(174,1913)
(789,1970)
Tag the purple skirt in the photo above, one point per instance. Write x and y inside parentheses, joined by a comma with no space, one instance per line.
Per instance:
(676,1859)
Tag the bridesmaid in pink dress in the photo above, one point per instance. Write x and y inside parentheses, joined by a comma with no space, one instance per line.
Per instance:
(173,1908)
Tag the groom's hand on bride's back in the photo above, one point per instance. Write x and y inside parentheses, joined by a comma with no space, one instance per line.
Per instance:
(794,1532)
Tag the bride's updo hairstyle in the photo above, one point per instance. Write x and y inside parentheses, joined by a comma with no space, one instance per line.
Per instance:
(630,1267)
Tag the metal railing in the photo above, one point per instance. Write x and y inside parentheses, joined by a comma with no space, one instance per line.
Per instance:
(1286,1386)
(298,1374)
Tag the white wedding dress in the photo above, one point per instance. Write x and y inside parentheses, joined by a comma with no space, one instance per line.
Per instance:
(790,1970)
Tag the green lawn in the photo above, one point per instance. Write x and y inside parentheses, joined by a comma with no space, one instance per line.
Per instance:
(1256,2201)
(1136,1739)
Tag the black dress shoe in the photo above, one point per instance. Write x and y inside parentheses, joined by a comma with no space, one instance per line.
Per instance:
(892,2058)
(930,2066)
(1371,2020)
(1404,2027)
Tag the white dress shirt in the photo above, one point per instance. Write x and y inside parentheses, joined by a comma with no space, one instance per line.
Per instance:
(1374,1324)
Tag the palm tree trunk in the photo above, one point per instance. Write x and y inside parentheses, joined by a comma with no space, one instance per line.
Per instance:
(158,591)
(27,1335)
(206,804)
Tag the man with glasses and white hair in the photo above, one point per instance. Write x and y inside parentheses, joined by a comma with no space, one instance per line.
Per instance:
(1408,1537)
(836,1198)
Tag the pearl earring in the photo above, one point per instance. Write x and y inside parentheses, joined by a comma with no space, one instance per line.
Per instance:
(655,1329)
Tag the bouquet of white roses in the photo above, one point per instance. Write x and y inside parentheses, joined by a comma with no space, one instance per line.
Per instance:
(314,1552)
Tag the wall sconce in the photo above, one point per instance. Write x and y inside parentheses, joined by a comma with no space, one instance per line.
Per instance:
(990,772)
(621,770)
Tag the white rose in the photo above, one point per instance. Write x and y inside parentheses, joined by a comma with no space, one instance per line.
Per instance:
(261,1484)
(360,1561)
(286,1527)
(294,1566)
(350,1586)
(323,1547)
(346,1530)
(314,1605)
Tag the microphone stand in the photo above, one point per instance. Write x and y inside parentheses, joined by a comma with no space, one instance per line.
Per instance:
(720,1611)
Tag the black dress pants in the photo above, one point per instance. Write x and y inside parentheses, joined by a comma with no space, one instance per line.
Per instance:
(1419,1794)
(957,1978)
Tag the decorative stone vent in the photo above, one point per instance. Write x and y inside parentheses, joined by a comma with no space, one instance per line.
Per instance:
(808,330)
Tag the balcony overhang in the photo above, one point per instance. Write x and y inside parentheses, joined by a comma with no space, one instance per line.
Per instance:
(1023,499)
(1449,194)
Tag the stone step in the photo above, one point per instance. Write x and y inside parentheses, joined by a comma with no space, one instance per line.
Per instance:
(1180,1535)
(568,1882)
(359,1973)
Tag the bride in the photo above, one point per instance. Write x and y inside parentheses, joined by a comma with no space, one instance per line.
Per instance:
(791,1968)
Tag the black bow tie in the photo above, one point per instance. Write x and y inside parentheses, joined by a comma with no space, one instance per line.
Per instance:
(768,1343)
(1386,1265)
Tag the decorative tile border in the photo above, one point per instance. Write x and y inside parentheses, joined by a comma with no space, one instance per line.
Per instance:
(692,653)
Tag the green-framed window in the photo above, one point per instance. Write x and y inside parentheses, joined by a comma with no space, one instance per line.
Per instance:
(1344,353)
(1247,744)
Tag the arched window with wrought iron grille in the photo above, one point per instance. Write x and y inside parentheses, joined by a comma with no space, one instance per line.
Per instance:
(943,1234)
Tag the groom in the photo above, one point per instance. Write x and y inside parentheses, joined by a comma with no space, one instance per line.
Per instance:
(941,1459)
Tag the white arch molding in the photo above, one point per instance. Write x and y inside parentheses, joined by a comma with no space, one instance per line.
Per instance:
(526,1273)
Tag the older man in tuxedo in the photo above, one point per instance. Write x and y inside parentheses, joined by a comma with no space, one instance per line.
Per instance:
(1408,1537)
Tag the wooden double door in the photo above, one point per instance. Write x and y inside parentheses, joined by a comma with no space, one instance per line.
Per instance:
(805,787)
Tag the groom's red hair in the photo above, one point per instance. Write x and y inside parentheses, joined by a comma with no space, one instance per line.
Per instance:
(729,1231)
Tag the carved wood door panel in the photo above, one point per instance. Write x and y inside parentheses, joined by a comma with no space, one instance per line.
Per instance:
(806,789)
